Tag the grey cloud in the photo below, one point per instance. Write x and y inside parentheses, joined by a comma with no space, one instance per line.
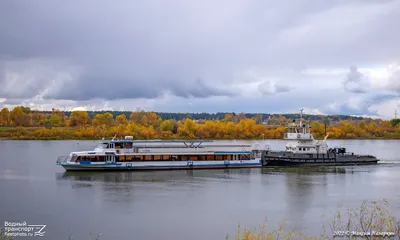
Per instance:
(140,49)
(356,82)
(270,87)
(394,80)
(13,101)
(363,110)
(360,106)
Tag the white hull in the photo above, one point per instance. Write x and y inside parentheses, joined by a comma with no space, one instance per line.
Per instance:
(161,165)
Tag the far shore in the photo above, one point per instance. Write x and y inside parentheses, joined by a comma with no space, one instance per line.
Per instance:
(178,139)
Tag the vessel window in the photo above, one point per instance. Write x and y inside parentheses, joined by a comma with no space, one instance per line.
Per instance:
(193,157)
(219,157)
(74,158)
(157,157)
(147,157)
(118,145)
(128,145)
(121,158)
(129,158)
(102,145)
(210,157)
(85,158)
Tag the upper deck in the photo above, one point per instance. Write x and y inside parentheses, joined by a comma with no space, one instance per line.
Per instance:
(170,146)
(298,131)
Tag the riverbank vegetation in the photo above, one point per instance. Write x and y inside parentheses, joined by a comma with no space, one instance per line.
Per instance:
(372,220)
(25,123)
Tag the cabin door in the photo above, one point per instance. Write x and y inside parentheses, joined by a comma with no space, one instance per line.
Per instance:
(110,158)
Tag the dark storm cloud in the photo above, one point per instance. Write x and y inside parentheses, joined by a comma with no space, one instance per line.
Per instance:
(140,49)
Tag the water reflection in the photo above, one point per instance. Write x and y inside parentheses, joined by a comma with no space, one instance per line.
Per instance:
(153,176)
(303,190)
(307,170)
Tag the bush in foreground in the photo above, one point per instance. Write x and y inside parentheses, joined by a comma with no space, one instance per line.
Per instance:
(372,220)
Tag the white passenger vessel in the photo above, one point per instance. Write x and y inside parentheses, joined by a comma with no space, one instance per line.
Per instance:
(129,154)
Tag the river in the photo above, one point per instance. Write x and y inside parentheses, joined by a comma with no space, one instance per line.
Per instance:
(199,204)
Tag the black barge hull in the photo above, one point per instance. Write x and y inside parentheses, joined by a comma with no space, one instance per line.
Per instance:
(290,159)
(316,163)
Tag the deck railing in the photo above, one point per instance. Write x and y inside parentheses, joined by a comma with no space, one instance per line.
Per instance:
(62,159)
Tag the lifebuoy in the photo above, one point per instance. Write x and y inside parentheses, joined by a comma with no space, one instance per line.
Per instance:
(298,135)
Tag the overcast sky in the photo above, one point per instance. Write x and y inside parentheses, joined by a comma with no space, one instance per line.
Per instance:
(329,57)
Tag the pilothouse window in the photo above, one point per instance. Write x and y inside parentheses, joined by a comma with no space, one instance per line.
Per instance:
(102,145)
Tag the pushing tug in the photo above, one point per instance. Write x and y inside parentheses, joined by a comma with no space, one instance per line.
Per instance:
(303,150)
(127,154)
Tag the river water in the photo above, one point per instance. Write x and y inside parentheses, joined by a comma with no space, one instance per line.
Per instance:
(199,204)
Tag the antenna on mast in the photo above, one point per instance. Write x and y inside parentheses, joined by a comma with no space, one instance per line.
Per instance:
(301,117)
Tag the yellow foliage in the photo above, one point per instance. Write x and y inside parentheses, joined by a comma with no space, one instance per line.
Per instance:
(147,125)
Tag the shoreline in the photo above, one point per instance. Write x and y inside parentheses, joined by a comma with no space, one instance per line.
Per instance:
(150,133)
(187,139)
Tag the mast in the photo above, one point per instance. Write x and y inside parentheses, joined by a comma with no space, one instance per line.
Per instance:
(301,117)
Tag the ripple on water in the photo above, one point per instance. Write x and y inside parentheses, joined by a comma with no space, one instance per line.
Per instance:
(15,175)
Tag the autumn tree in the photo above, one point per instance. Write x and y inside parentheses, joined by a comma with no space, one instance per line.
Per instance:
(19,118)
(103,119)
(228,117)
(167,125)
(79,118)
(188,128)
(4,117)
(137,115)
(121,119)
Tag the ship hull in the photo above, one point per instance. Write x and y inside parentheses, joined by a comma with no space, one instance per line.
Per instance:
(311,163)
(162,166)
(289,159)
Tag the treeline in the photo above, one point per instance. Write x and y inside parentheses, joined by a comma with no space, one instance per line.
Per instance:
(25,123)
(220,115)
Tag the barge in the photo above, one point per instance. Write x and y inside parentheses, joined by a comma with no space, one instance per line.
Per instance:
(303,150)
(129,154)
